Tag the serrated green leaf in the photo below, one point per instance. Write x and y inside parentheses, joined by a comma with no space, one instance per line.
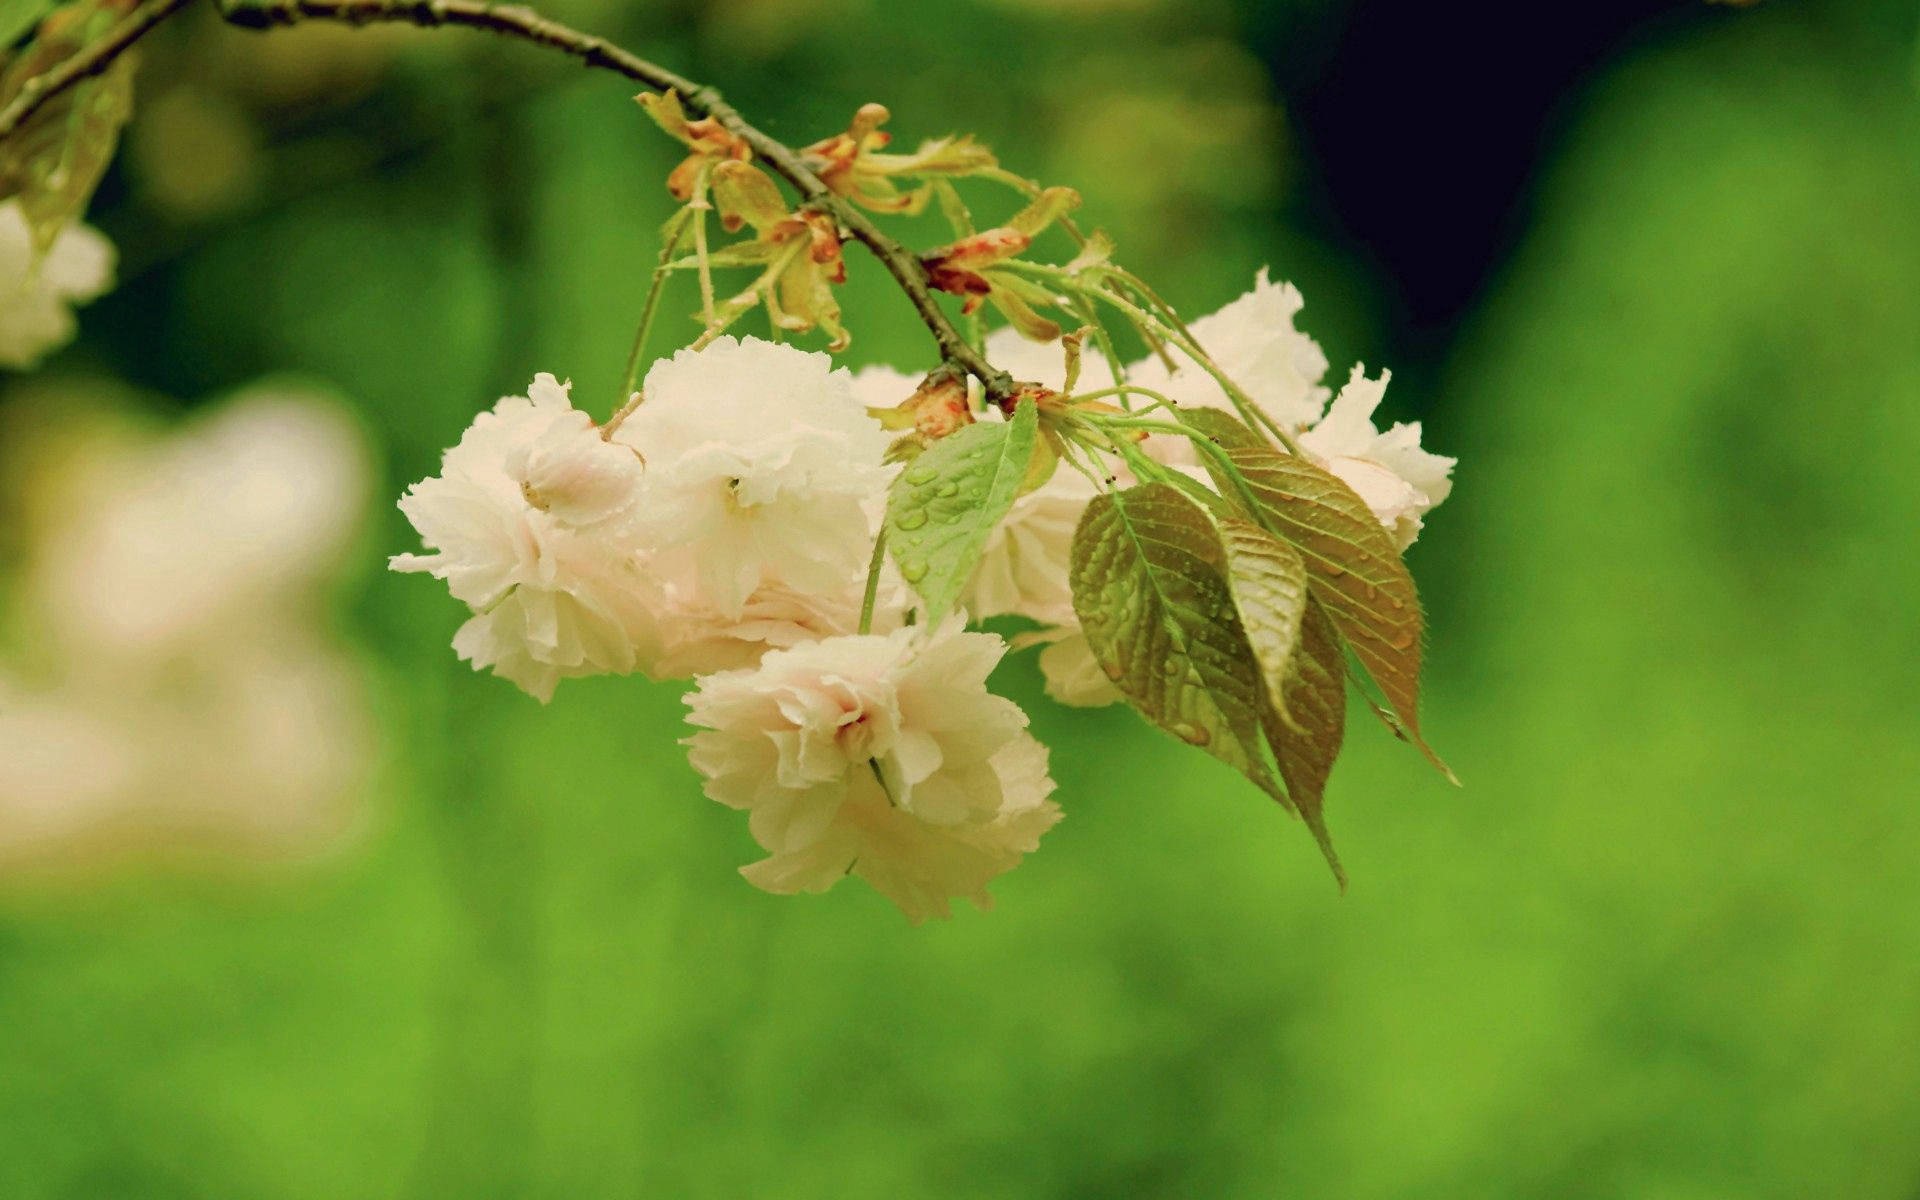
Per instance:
(1305,732)
(1148,589)
(18,18)
(54,161)
(1353,567)
(942,508)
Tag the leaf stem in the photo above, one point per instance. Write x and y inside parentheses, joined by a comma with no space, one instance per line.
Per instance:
(676,229)
(1200,441)
(873,579)
(1249,412)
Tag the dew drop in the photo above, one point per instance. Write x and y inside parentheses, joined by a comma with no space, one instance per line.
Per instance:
(947,489)
(913,572)
(1401,640)
(913,518)
(921,475)
(1192,734)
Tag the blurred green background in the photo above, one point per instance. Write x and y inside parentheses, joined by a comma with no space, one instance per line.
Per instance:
(1665,943)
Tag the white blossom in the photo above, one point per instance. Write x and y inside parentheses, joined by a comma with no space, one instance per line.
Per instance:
(1072,675)
(882,386)
(38,292)
(1399,481)
(701,640)
(534,523)
(762,467)
(1023,566)
(879,756)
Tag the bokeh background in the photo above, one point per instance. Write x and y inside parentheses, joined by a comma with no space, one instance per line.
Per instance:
(1652,270)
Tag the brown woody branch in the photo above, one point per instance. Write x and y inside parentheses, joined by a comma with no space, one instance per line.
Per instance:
(515,21)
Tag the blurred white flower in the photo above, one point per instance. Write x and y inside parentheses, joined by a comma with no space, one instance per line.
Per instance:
(762,467)
(879,756)
(184,691)
(171,540)
(256,749)
(1399,481)
(38,292)
(534,524)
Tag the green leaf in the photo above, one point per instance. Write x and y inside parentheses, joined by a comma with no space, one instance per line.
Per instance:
(19,17)
(1353,567)
(1306,730)
(54,161)
(1148,589)
(942,508)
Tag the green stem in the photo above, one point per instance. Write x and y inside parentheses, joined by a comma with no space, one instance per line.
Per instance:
(1160,400)
(676,228)
(699,206)
(1184,338)
(873,580)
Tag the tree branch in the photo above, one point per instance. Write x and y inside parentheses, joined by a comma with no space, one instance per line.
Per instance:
(524,24)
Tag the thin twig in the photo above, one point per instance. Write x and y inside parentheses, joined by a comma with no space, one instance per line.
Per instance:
(670,242)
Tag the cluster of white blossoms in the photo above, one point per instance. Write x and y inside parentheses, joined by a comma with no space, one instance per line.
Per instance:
(38,291)
(176,685)
(723,530)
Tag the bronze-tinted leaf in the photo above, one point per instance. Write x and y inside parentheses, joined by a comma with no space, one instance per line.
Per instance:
(1353,567)
(1305,732)
(1268,582)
